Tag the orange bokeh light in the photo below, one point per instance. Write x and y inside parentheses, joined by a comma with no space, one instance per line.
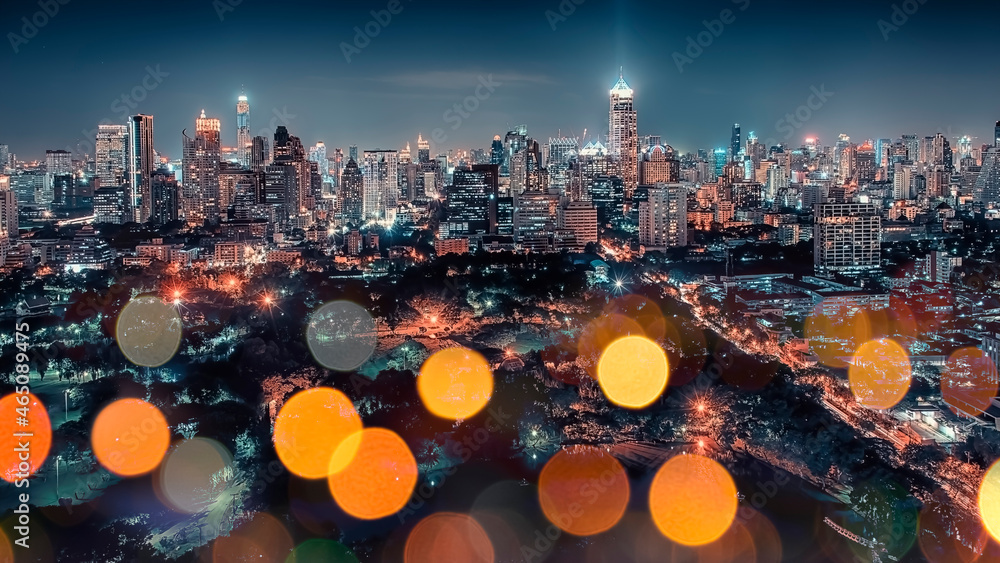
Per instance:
(600,333)
(633,372)
(880,374)
(38,441)
(447,536)
(583,490)
(969,382)
(455,383)
(263,539)
(130,437)
(380,477)
(989,500)
(310,427)
(693,500)
(836,335)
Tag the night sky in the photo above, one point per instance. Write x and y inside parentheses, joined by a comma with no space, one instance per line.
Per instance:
(935,73)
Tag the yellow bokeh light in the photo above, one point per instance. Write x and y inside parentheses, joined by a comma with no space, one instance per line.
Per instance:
(633,372)
(380,477)
(148,331)
(693,500)
(130,437)
(989,501)
(880,374)
(455,383)
(309,429)
(969,382)
(583,490)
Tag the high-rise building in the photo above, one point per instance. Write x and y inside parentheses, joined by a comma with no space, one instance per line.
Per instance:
(996,135)
(423,149)
(659,165)
(534,215)
(736,142)
(260,153)
(866,165)
(139,168)
(317,154)
(163,190)
(496,152)
(244,142)
(579,218)
(663,217)
(110,204)
(237,186)
(57,163)
(352,194)
(987,190)
(4,158)
(281,189)
(352,151)
(623,133)
(111,158)
(847,238)
(8,210)
(472,198)
(380,169)
(202,155)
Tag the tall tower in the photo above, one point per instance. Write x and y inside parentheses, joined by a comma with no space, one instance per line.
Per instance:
(111,159)
(736,142)
(201,157)
(244,139)
(138,204)
(352,194)
(623,133)
(423,149)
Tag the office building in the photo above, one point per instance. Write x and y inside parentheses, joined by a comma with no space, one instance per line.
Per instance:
(8,210)
(202,155)
(663,217)
(164,190)
(579,218)
(111,154)
(623,134)
(847,238)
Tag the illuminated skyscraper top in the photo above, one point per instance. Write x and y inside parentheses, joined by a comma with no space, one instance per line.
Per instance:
(623,134)
(243,137)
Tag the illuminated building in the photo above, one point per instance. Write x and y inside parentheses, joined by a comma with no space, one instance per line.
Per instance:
(451,246)
(736,142)
(352,194)
(139,168)
(8,210)
(659,165)
(111,154)
(847,238)
(164,191)
(57,163)
(89,252)
(238,188)
(987,190)
(244,143)
(202,155)
(866,164)
(110,204)
(260,153)
(381,194)
(623,134)
(663,217)
(472,197)
(607,193)
(497,152)
(423,149)
(534,214)
(580,218)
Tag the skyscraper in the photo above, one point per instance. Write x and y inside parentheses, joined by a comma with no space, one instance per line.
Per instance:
(163,190)
(736,141)
(4,158)
(352,152)
(352,196)
(423,149)
(663,217)
(260,153)
(201,157)
(244,142)
(139,168)
(623,133)
(57,163)
(847,238)
(987,189)
(381,174)
(111,154)
(472,197)
(317,154)
(996,135)
(8,210)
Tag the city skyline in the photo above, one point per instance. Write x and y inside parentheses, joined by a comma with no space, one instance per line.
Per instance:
(322,96)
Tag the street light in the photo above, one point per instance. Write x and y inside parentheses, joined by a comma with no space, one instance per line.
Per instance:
(66,400)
